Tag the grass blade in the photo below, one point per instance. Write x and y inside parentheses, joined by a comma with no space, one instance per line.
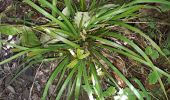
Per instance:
(107,74)
(79,79)
(66,82)
(13,57)
(136,59)
(53,76)
(142,34)
(67,42)
(54,3)
(83,5)
(14,45)
(87,83)
(42,11)
(142,88)
(69,6)
(110,43)
(154,68)
(54,9)
(116,11)
(64,40)
(120,75)
(70,92)
(131,43)
(149,1)
(19,72)
(127,13)
(93,3)
(59,82)
(96,82)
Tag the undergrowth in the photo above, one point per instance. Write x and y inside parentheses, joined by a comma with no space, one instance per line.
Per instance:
(82,36)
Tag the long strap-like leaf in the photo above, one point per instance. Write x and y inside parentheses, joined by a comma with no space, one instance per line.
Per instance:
(96,82)
(53,76)
(136,92)
(149,1)
(79,80)
(66,82)
(42,11)
(61,14)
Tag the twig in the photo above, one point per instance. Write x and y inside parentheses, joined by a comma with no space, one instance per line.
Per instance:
(34,81)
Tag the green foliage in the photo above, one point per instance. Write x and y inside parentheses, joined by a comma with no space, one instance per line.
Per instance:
(10,30)
(144,91)
(164,7)
(29,38)
(153,78)
(166,51)
(109,92)
(126,94)
(151,52)
(79,35)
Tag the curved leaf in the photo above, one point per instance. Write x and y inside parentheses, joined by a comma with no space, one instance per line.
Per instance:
(66,82)
(10,29)
(53,76)
(120,75)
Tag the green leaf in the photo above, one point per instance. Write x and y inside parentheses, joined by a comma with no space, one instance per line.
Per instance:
(13,57)
(54,3)
(84,55)
(127,13)
(168,80)
(87,86)
(154,55)
(119,10)
(10,29)
(68,4)
(42,11)
(72,63)
(148,50)
(153,78)
(145,93)
(154,45)
(151,52)
(53,76)
(166,51)
(82,5)
(136,59)
(111,43)
(21,70)
(96,82)
(81,55)
(110,91)
(71,89)
(164,7)
(29,39)
(58,37)
(78,81)
(149,1)
(56,10)
(129,93)
(79,52)
(62,74)
(14,45)
(69,77)
(93,4)
(135,91)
